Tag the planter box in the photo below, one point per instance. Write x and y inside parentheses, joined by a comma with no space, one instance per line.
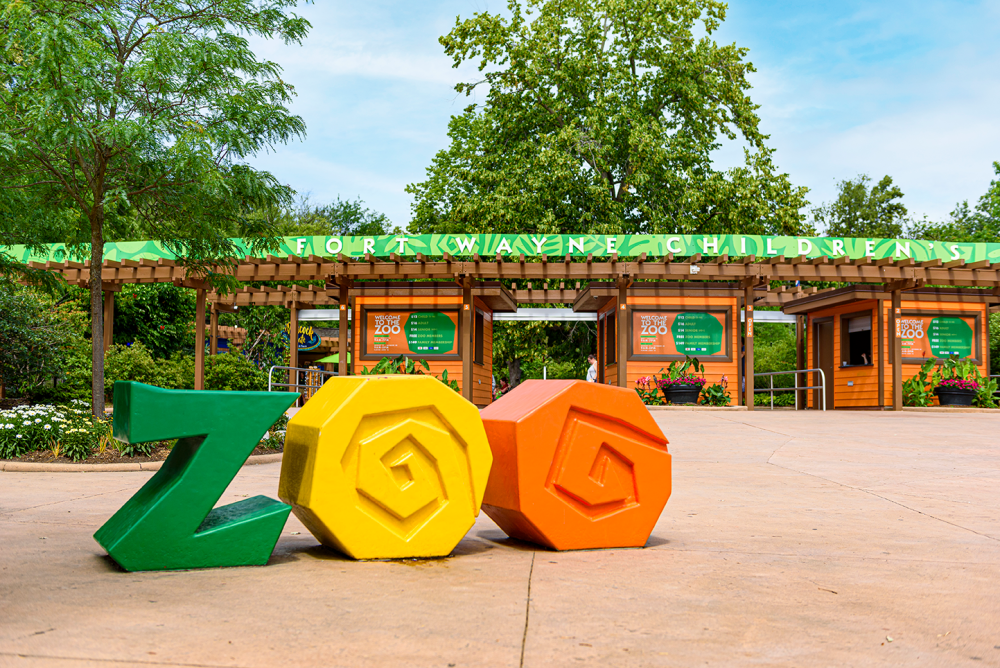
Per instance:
(954,397)
(681,393)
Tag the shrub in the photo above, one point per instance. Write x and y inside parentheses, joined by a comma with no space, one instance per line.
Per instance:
(32,339)
(159,315)
(405,366)
(129,363)
(716,395)
(233,371)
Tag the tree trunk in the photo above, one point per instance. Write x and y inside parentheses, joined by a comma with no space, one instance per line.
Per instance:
(514,372)
(97,310)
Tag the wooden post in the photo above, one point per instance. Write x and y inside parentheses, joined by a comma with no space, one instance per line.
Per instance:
(800,359)
(109,319)
(739,364)
(748,353)
(897,351)
(214,330)
(293,344)
(343,338)
(624,332)
(199,341)
(466,343)
(880,319)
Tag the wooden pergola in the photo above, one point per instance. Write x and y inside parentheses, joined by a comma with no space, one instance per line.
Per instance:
(543,279)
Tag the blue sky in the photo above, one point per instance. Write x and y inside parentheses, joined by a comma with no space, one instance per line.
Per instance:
(906,89)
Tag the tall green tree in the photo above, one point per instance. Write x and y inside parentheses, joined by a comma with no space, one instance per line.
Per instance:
(864,210)
(135,117)
(339,218)
(967,224)
(602,116)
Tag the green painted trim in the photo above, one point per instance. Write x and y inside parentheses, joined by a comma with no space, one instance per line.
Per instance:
(488,245)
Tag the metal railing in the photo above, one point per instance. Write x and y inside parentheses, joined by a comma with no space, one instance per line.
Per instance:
(796,388)
(291,369)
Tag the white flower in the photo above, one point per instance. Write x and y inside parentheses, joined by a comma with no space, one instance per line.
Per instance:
(26,423)
(19,436)
(47,427)
(37,420)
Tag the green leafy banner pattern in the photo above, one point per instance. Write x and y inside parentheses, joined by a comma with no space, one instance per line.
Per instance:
(488,245)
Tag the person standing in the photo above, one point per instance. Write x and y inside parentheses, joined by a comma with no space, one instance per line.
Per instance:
(592,371)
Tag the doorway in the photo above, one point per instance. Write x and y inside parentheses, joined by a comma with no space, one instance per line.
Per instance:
(823,359)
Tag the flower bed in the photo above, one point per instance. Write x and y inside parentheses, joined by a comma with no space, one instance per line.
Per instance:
(66,430)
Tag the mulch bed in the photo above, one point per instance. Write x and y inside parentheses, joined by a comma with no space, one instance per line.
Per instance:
(110,456)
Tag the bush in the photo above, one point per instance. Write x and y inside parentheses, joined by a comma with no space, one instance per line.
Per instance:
(774,350)
(32,339)
(129,363)
(177,372)
(159,315)
(233,371)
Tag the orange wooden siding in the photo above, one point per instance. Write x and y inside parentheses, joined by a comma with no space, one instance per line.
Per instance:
(482,394)
(713,371)
(864,391)
(482,374)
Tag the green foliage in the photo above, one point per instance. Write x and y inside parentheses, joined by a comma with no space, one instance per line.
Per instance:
(648,390)
(678,370)
(67,430)
(266,344)
(918,391)
(994,343)
(32,341)
(129,363)
(159,315)
(601,116)
(561,346)
(404,365)
(981,224)
(233,371)
(341,218)
(773,350)
(863,211)
(716,395)
(124,120)
(954,368)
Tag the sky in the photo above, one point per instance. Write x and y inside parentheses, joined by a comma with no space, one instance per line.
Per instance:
(905,89)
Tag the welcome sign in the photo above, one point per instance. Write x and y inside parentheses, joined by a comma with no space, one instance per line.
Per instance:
(408,246)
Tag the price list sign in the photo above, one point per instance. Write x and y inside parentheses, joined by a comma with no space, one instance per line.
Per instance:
(420,333)
(694,333)
(924,337)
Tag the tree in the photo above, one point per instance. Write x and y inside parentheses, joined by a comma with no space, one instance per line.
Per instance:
(125,118)
(602,116)
(981,224)
(860,211)
(341,218)
(32,341)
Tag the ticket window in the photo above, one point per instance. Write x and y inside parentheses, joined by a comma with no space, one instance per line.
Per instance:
(856,338)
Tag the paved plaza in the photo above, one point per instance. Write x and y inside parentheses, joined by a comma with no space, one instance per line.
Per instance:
(791,539)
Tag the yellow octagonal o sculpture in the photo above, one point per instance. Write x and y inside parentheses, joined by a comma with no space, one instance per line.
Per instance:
(386,467)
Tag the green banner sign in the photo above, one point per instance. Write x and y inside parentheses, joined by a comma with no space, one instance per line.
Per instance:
(559,245)
(697,333)
(950,336)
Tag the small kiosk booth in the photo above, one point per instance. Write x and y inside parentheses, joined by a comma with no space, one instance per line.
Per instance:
(649,325)
(850,338)
(430,321)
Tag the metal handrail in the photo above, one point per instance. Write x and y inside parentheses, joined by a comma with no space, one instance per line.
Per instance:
(796,388)
(271,383)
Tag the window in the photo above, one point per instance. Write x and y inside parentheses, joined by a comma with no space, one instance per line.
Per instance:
(856,339)
(480,337)
(609,337)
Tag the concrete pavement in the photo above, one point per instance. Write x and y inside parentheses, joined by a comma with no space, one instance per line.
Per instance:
(791,539)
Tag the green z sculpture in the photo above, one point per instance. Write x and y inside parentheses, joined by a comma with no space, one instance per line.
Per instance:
(170,523)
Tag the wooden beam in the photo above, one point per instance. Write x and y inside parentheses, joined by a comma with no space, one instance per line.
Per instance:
(199,340)
(343,345)
(881,352)
(293,346)
(213,334)
(109,320)
(466,343)
(897,351)
(748,353)
(624,332)
(800,359)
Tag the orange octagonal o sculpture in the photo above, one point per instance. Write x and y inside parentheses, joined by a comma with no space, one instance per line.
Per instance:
(576,465)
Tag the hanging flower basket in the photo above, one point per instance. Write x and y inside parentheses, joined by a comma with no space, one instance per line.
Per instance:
(684,390)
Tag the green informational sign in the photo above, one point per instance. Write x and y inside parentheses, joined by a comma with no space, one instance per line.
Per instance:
(431,333)
(950,336)
(556,245)
(697,333)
